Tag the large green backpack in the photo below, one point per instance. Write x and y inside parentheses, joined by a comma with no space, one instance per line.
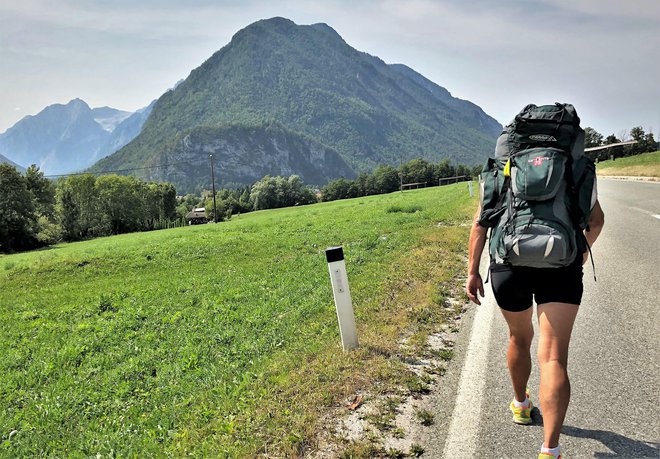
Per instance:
(538,192)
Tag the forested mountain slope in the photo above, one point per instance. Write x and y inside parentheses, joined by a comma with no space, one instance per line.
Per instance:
(312,85)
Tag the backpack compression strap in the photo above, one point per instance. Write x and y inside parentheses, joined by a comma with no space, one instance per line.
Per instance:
(575,219)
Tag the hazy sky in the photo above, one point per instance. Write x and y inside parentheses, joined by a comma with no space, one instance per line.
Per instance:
(601,55)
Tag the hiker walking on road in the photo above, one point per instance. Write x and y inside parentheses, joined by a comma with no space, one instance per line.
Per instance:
(539,198)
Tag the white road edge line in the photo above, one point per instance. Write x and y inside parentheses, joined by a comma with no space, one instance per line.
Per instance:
(647,212)
(462,436)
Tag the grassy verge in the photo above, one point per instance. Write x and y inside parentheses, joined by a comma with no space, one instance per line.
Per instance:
(218,340)
(644,165)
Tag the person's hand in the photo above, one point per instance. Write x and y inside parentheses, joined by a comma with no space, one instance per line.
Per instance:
(474,287)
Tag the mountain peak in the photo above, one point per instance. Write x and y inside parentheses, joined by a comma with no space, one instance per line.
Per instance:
(286,28)
(276,24)
(276,21)
(109,118)
(78,103)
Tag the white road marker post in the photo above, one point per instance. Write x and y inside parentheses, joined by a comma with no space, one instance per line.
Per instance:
(342,294)
(471,188)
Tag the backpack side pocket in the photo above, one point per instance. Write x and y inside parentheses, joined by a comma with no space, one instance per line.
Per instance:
(491,186)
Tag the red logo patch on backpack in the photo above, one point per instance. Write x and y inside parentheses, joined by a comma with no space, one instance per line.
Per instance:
(539,160)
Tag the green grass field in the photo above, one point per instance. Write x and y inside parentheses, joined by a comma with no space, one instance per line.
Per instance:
(218,340)
(644,165)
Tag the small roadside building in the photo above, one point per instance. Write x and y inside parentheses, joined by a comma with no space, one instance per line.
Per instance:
(197,216)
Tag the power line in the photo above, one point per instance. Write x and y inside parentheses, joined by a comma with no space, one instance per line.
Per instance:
(118,170)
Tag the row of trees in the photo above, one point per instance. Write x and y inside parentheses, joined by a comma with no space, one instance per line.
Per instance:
(386,179)
(35,211)
(273,192)
(267,193)
(89,206)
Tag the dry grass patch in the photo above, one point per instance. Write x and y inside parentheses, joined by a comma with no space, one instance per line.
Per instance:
(633,171)
(423,295)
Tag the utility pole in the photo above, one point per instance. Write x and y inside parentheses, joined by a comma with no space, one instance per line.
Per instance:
(215,212)
(400,176)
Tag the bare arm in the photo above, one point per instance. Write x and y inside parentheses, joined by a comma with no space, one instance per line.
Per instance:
(596,223)
(474,285)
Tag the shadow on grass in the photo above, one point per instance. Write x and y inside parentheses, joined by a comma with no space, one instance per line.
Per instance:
(621,447)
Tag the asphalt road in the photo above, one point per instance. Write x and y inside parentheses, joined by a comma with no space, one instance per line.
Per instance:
(614,362)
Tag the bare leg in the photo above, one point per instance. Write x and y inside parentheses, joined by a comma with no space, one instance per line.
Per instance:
(518,355)
(555,325)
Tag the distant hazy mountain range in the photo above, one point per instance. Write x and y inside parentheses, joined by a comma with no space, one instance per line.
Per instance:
(67,138)
(284,98)
(4,160)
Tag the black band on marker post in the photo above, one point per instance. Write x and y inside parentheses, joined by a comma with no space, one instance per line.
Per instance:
(334,254)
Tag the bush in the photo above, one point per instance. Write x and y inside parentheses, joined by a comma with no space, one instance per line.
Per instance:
(48,232)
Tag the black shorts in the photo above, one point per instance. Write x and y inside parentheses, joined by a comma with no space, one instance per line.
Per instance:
(514,286)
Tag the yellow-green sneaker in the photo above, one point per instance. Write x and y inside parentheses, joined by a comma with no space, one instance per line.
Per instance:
(522,415)
(548,456)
